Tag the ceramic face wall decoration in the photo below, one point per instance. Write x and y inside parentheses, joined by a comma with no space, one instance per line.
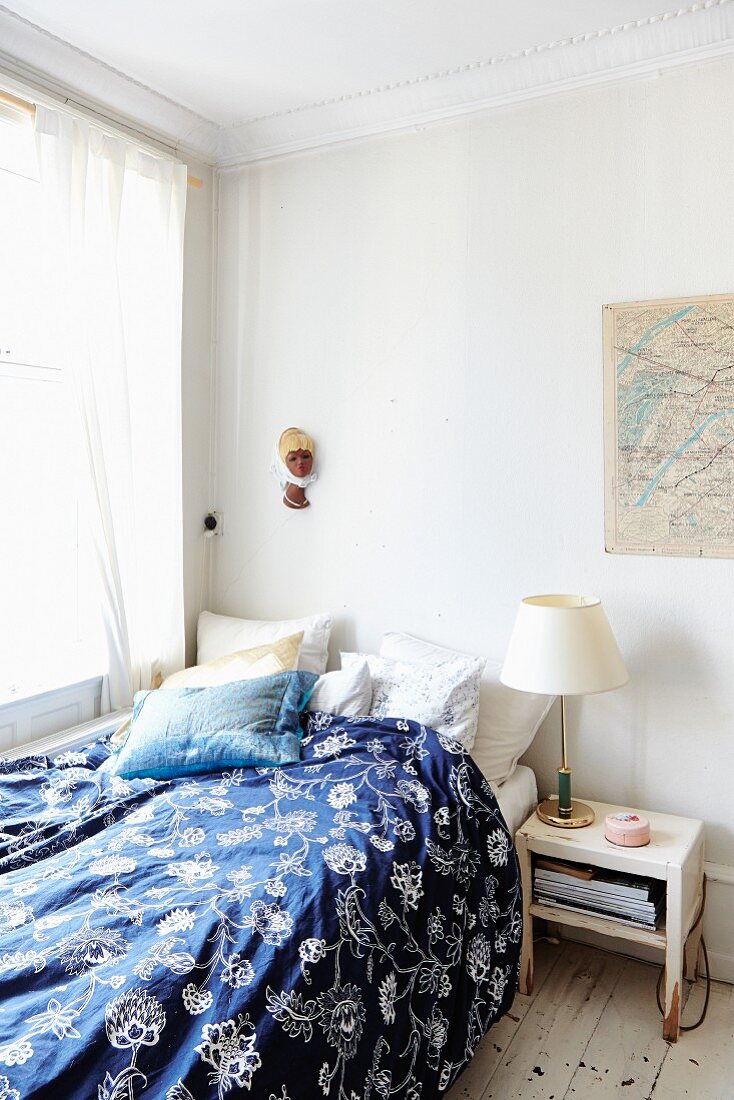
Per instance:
(294,466)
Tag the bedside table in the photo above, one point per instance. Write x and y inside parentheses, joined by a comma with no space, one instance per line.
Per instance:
(674,855)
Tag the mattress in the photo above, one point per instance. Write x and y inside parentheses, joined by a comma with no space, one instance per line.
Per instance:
(517,796)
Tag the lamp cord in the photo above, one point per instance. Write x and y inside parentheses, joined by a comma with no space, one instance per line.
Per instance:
(702,1017)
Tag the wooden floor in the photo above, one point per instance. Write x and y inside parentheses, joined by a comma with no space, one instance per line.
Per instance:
(591,1029)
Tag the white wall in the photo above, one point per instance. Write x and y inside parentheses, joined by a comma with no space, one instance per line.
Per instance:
(196,392)
(428,305)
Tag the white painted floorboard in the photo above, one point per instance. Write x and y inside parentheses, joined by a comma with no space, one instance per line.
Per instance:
(591,1030)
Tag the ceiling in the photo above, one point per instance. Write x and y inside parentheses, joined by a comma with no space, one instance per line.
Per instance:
(233,65)
(234,60)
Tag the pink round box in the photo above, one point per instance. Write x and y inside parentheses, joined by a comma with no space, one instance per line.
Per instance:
(627,829)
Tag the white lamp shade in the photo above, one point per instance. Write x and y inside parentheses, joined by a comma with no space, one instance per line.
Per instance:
(563,645)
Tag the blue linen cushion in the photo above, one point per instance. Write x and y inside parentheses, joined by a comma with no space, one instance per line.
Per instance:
(191,731)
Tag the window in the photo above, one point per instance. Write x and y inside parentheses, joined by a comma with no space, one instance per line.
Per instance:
(90,405)
(49,602)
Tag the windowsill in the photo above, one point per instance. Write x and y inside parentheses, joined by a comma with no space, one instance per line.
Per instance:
(69,739)
(47,686)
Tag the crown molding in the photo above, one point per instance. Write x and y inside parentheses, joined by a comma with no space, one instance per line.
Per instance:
(49,64)
(688,35)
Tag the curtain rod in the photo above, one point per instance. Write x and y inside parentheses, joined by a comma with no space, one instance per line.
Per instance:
(18,103)
(27,108)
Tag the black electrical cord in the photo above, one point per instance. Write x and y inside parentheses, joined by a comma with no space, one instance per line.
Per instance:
(702,1017)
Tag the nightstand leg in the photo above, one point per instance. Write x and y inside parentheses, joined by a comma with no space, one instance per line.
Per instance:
(673,955)
(526,959)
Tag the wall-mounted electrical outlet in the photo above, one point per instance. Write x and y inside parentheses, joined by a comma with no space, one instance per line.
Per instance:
(214,524)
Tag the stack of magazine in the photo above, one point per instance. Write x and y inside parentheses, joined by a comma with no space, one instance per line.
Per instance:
(631,899)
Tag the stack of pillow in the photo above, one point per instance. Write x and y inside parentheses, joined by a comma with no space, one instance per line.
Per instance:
(238,707)
(171,729)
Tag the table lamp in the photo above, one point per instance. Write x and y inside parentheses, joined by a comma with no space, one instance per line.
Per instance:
(563,645)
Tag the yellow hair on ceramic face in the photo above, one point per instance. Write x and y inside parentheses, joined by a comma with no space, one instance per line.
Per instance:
(294,439)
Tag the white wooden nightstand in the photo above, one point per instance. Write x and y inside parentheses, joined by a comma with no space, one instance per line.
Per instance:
(674,855)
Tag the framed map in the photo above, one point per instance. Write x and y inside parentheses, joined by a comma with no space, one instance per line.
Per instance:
(669,426)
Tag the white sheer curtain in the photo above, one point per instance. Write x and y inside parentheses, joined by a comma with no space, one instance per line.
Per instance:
(120,216)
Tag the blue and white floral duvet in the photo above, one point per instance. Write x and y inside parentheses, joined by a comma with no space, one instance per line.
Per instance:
(347,926)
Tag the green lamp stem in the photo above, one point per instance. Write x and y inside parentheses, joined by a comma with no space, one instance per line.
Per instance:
(565,813)
(564,772)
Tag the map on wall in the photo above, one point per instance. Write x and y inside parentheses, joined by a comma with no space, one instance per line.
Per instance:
(669,426)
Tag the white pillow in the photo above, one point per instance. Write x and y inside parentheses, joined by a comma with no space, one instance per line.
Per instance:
(218,635)
(347,691)
(508,719)
(508,722)
(444,697)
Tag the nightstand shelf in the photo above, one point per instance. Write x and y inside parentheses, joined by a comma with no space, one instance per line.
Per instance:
(674,856)
(654,937)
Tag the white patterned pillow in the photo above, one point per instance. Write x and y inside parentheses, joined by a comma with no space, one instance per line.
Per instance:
(444,697)
(508,719)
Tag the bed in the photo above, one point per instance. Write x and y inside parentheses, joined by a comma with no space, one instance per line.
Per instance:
(346,926)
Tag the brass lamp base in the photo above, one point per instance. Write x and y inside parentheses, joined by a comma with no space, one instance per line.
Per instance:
(580,814)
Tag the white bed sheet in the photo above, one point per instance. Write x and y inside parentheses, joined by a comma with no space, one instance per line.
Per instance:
(517,796)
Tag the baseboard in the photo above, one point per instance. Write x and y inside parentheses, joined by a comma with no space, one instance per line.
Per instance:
(718,928)
(722,966)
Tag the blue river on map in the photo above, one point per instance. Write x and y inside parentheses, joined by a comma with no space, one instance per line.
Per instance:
(677,453)
(649,334)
